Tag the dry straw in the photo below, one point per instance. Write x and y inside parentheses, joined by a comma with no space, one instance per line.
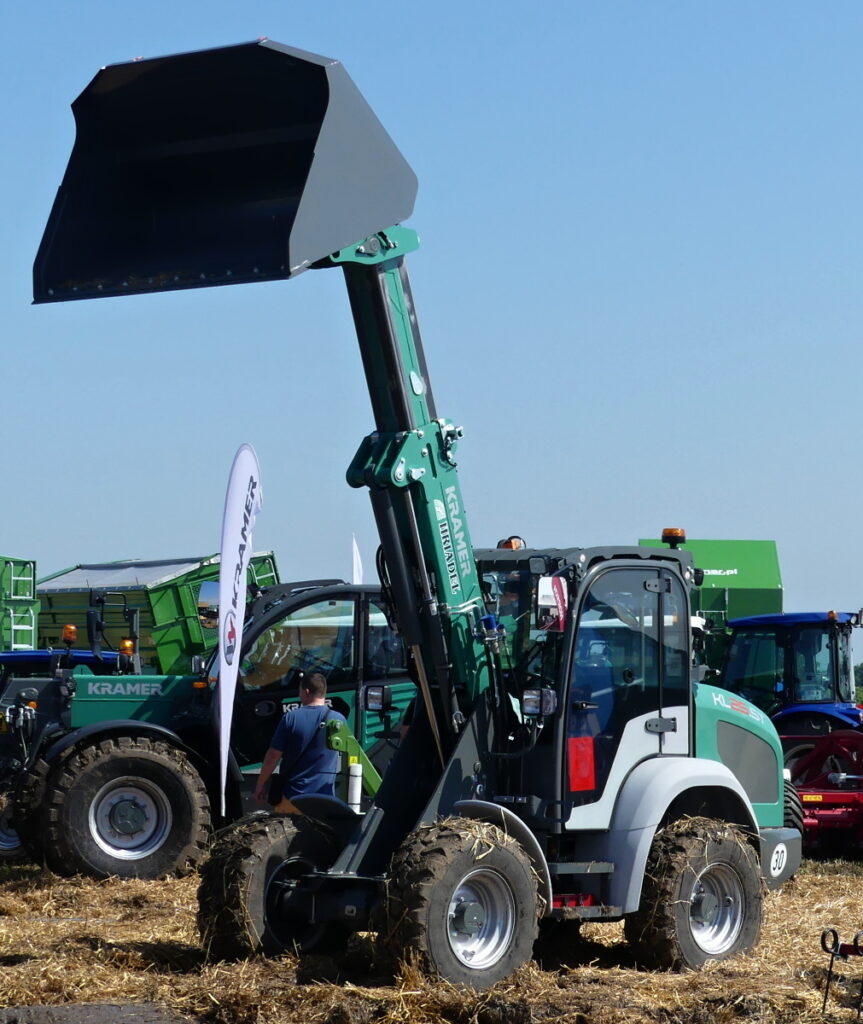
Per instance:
(77,941)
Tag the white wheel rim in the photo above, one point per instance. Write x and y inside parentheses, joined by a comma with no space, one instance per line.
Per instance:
(130,818)
(717,907)
(481,919)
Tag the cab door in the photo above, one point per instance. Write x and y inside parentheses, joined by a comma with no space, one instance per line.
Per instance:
(384,663)
(317,636)
(629,685)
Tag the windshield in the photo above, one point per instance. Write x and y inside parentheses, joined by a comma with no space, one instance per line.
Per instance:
(530,656)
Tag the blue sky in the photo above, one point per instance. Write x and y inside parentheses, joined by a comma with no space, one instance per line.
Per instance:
(639,288)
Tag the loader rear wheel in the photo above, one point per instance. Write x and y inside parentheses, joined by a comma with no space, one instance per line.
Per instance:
(701,898)
(463,899)
(127,806)
(248,901)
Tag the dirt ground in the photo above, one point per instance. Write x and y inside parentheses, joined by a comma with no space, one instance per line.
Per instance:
(131,947)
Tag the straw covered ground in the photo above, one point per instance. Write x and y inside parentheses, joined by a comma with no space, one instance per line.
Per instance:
(75,941)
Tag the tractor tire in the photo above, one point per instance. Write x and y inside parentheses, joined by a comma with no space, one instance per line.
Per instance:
(702,897)
(793,808)
(28,807)
(11,847)
(794,754)
(133,807)
(462,899)
(242,910)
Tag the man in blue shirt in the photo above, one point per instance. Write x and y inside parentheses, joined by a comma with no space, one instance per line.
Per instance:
(300,742)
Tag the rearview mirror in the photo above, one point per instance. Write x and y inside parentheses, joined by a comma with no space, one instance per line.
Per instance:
(552,598)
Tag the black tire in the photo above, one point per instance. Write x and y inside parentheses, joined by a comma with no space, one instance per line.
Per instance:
(796,753)
(242,909)
(127,806)
(462,898)
(28,808)
(11,847)
(793,808)
(701,898)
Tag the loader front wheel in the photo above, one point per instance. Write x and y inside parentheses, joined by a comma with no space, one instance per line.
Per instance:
(701,898)
(463,899)
(249,901)
(128,806)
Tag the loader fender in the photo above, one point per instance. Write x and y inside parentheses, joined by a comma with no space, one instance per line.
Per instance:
(128,727)
(482,810)
(656,792)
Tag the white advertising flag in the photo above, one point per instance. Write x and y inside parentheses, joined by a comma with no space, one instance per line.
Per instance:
(358,563)
(242,503)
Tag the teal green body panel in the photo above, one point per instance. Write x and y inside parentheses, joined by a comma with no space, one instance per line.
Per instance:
(19,608)
(731,730)
(157,700)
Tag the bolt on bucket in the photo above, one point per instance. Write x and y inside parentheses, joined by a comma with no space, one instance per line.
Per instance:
(243,163)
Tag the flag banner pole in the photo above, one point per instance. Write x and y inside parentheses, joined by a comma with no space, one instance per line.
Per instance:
(243,501)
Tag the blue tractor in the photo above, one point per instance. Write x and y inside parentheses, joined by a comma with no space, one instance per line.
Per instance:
(797,668)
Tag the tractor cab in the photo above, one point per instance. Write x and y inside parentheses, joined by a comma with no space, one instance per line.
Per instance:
(798,669)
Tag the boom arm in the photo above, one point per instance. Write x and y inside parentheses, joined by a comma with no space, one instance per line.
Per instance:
(409,466)
(256,162)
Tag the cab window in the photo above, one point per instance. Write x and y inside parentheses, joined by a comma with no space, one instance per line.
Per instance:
(318,637)
(385,654)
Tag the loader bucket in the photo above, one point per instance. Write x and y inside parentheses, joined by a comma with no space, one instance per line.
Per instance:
(243,163)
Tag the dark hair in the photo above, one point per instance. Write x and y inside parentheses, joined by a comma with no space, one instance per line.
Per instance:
(315,683)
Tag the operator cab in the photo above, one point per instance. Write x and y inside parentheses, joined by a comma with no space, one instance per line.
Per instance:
(325,626)
(613,647)
(798,669)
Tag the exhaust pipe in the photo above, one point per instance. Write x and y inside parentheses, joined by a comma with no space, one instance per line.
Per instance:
(243,163)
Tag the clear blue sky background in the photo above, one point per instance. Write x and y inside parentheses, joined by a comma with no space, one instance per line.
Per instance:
(639,288)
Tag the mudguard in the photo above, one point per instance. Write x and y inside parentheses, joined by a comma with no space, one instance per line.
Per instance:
(649,791)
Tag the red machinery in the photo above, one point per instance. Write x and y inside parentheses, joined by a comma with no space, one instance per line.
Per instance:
(830,782)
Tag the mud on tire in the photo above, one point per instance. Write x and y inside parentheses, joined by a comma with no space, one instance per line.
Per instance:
(701,898)
(244,897)
(462,897)
(128,806)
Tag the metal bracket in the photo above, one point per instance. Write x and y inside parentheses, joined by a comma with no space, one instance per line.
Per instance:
(660,725)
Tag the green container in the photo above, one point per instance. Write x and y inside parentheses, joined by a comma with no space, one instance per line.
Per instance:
(19,608)
(741,577)
(177,600)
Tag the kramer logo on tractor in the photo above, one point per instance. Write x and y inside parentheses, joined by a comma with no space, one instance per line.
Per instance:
(476,832)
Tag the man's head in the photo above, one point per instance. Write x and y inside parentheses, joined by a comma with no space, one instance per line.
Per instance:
(313,687)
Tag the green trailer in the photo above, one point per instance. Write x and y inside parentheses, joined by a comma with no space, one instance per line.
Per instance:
(177,599)
(19,606)
(741,578)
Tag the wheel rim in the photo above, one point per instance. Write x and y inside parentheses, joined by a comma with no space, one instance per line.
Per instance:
(130,818)
(481,919)
(290,925)
(716,909)
(9,840)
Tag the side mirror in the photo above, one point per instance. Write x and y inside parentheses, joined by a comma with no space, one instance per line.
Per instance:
(552,598)
(377,698)
(199,663)
(538,703)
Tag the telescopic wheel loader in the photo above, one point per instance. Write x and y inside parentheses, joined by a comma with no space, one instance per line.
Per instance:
(560,764)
